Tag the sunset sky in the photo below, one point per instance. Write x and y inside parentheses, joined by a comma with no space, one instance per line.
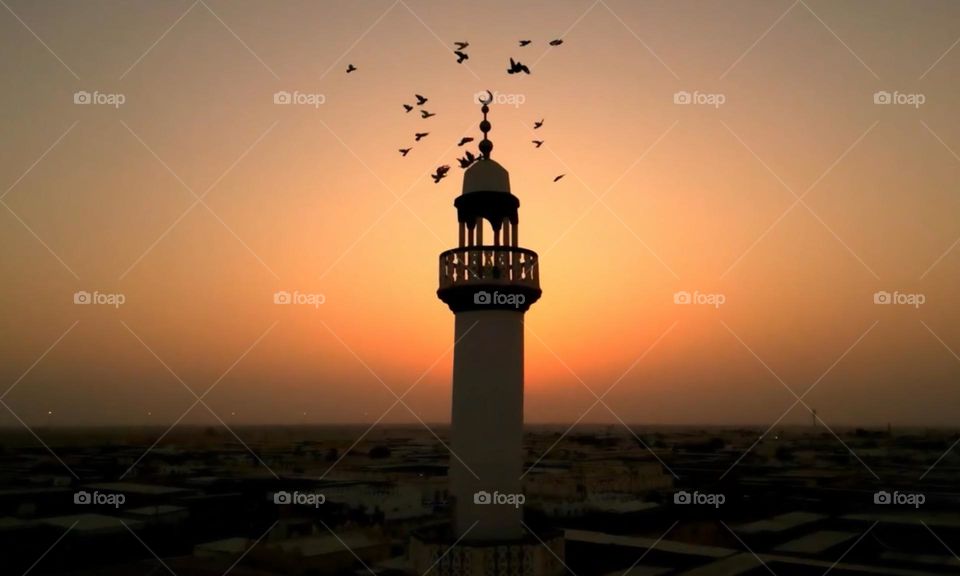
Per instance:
(316,199)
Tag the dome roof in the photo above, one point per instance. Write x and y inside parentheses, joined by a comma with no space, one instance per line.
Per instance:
(486,175)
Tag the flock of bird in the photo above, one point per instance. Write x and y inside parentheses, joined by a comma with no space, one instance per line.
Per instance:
(516,67)
(424,114)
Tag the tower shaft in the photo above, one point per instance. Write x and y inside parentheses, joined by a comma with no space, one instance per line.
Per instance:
(487,424)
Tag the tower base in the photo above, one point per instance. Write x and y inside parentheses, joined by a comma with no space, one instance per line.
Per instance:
(437,550)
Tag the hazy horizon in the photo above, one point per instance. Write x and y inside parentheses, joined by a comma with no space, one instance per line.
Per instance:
(417,426)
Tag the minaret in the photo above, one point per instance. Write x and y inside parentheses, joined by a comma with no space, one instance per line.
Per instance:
(489,282)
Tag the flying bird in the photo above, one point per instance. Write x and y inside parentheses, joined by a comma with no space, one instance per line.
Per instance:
(465,140)
(420,135)
(516,67)
(556,42)
(538,124)
(467,160)
(408,108)
(440,174)
(420,100)
(461,45)
(559,177)
(461,56)
(424,114)
(524,43)
(350,68)
(539,143)
(405,151)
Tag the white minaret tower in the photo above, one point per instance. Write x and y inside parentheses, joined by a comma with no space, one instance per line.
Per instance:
(488,283)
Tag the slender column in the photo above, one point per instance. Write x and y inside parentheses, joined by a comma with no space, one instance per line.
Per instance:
(487,423)
(503,258)
(460,263)
(517,258)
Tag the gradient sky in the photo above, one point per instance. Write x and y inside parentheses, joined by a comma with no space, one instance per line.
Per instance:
(694,198)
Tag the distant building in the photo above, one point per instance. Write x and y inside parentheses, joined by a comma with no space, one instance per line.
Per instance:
(321,554)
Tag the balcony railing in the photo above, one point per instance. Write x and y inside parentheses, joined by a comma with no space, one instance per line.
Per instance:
(489,265)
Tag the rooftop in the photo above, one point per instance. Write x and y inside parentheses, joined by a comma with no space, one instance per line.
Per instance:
(156,510)
(781,523)
(90,523)
(817,542)
(671,546)
(326,544)
(133,488)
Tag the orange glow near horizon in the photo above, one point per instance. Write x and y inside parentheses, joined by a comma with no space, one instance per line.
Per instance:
(299,198)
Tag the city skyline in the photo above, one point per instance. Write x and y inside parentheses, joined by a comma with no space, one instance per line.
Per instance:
(698,129)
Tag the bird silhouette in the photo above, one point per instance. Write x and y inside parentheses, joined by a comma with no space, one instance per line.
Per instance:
(420,135)
(538,124)
(461,56)
(407,107)
(440,174)
(516,67)
(556,42)
(350,68)
(465,140)
(524,43)
(424,114)
(467,160)
(405,151)
(539,143)
(461,45)
(559,177)
(420,100)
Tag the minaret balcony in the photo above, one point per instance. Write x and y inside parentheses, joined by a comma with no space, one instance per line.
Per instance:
(485,277)
(489,265)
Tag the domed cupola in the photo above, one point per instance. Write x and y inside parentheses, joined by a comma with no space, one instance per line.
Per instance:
(476,267)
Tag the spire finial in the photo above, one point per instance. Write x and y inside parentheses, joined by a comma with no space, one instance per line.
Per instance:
(486,146)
